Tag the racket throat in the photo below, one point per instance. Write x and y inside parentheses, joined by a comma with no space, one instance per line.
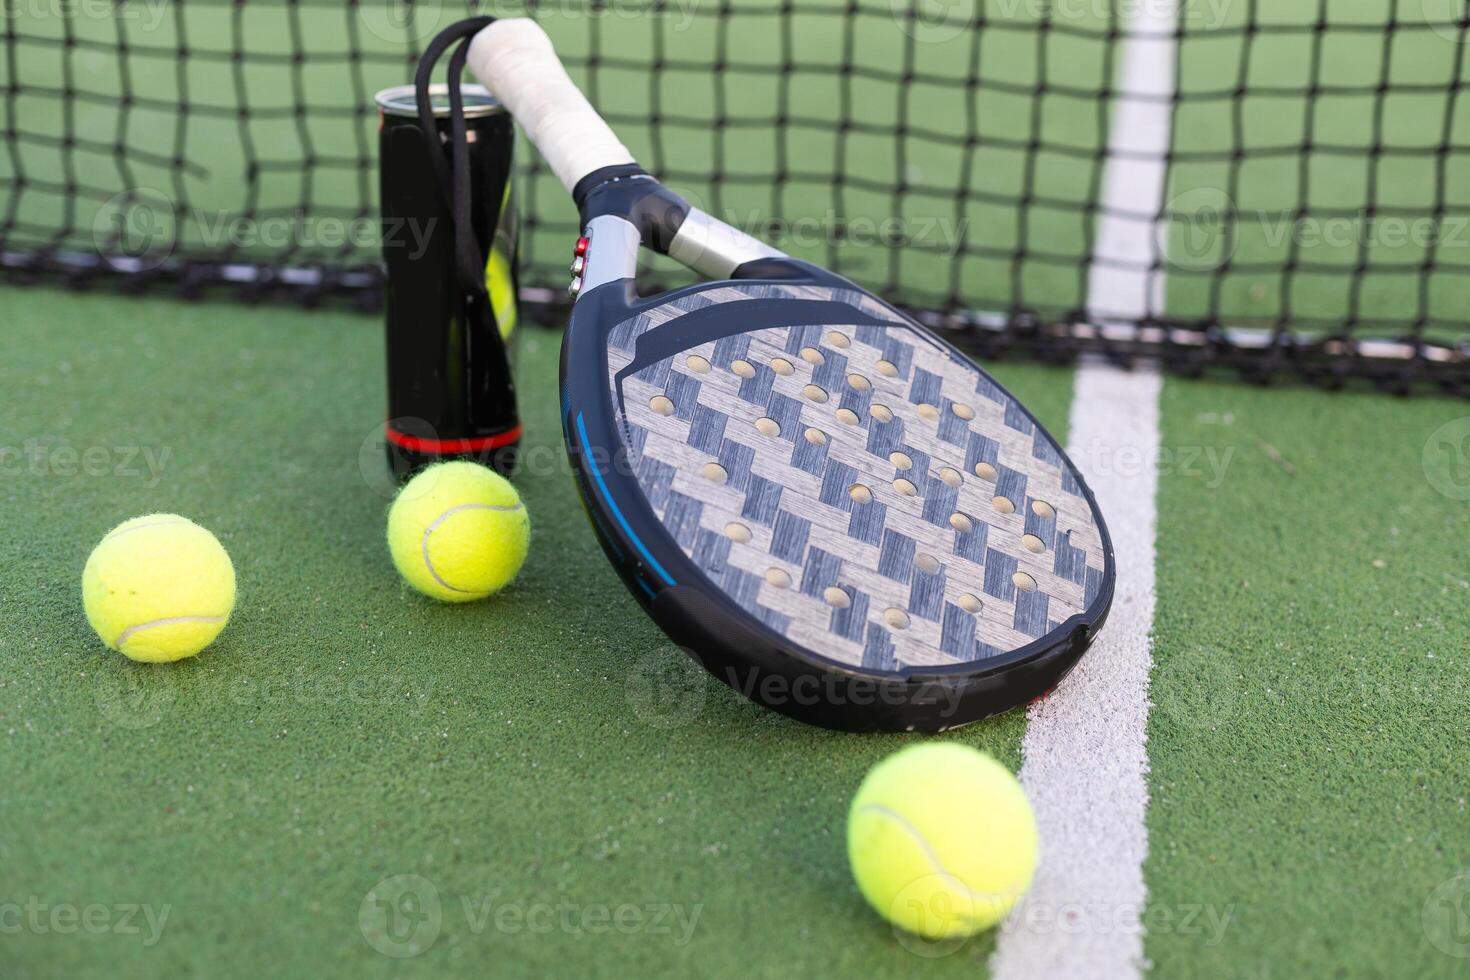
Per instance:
(612,252)
(714,249)
(663,221)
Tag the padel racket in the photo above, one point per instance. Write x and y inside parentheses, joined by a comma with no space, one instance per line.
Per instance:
(833,510)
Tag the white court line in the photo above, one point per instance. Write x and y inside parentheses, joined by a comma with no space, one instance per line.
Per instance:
(1084,758)
(1121,285)
(1084,755)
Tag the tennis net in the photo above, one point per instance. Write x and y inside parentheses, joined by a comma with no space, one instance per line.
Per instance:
(1273,188)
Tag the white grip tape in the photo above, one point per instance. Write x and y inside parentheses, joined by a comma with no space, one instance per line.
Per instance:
(514,59)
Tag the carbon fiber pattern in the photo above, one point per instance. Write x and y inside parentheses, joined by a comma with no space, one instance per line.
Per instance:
(857,488)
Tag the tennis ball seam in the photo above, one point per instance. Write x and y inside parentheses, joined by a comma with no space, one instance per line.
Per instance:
(131,631)
(428,531)
(118,532)
(976,895)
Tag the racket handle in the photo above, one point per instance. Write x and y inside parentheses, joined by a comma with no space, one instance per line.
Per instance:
(514,59)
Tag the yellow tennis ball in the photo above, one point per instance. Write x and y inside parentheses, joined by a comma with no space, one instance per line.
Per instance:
(158,588)
(458,532)
(942,840)
(500,285)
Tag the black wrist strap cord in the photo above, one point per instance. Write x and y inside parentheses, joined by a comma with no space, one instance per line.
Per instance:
(454,181)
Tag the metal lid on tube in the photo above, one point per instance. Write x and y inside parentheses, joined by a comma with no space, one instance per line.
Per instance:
(401,100)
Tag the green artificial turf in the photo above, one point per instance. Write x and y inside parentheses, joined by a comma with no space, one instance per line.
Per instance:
(547,748)
(1307,743)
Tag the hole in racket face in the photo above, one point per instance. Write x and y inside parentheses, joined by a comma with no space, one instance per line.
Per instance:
(857,487)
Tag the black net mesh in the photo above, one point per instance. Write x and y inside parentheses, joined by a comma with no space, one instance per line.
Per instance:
(1275,188)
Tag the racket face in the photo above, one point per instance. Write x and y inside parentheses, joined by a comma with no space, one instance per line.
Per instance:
(839,487)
